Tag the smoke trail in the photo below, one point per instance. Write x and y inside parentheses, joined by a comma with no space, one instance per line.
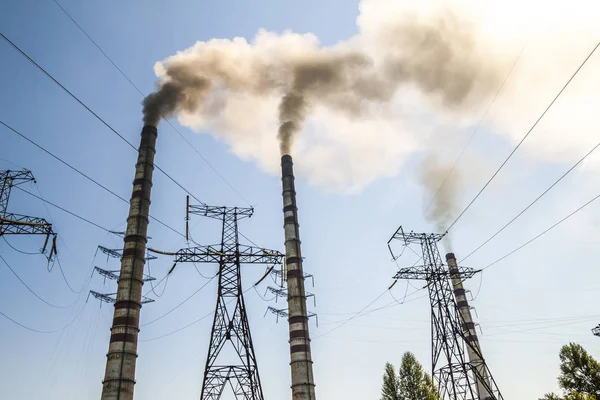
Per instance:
(444,205)
(436,55)
(183,91)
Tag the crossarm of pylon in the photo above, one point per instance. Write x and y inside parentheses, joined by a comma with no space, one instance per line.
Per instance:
(596,330)
(217,212)
(112,297)
(107,274)
(17,177)
(212,254)
(115,253)
(277,292)
(17,224)
(423,272)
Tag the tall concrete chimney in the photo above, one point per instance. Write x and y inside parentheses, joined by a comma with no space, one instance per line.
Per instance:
(303,386)
(473,347)
(119,378)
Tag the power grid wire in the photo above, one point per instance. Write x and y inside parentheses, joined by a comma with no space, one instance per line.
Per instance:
(65,210)
(534,201)
(542,233)
(32,291)
(352,317)
(20,251)
(32,329)
(91,111)
(191,323)
(114,64)
(476,129)
(83,174)
(526,135)
(180,304)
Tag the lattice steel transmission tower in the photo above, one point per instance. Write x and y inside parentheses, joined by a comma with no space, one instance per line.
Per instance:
(456,377)
(596,331)
(230,324)
(17,224)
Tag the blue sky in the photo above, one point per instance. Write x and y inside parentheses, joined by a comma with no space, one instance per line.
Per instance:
(528,305)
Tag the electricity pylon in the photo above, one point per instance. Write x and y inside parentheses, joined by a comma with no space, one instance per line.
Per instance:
(456,377)
(230,324)
(17,224)
(596,331)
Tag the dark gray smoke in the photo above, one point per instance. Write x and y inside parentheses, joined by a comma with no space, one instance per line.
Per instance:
(437,56)
(185,91)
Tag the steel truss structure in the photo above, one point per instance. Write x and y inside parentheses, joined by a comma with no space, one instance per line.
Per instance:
(112,297)
(283,313)
(230,323)
(118,253)
(596,331)
(114,274)
(17,224)
(453,373)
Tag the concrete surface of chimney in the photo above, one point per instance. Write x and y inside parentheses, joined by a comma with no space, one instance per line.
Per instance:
(119,378)
(473,348)
(303,387)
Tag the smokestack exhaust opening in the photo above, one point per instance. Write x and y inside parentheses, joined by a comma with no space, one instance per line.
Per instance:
(303,387)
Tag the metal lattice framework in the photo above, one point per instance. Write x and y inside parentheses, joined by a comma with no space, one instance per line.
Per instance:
(17,224)
(118,253)
(114,274)
(283,293)
(283,313)
(112,297)
(596,331)
(453,373)
(230,324)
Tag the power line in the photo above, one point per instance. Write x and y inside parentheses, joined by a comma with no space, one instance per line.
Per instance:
(32,291)
(352,317)
(62,272)
(180,304)
(20,251)
(190,324)
(534,201)
(65,210)
(542,233)
(526,135)
(40,331)
(31,329)
(476,129)
(114,64)
(83,174)
(91,111)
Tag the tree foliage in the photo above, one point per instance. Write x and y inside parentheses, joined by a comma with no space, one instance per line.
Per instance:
(411,383)
(579,375)
(389,390)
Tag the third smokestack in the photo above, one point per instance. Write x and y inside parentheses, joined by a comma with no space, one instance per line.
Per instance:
(473,348)
(303,387)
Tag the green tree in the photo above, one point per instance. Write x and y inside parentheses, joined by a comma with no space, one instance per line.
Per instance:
(579,375)
(411,383)
(389,391)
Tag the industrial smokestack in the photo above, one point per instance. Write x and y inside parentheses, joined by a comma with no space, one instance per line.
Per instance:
(303,386)
(119,378)
(482,379)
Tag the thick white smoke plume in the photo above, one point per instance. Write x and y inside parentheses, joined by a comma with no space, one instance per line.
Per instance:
(354,111)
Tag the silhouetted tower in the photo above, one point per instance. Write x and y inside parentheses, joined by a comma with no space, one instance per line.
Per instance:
(17,224)
(230,324)
(457,378)
(596,331)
